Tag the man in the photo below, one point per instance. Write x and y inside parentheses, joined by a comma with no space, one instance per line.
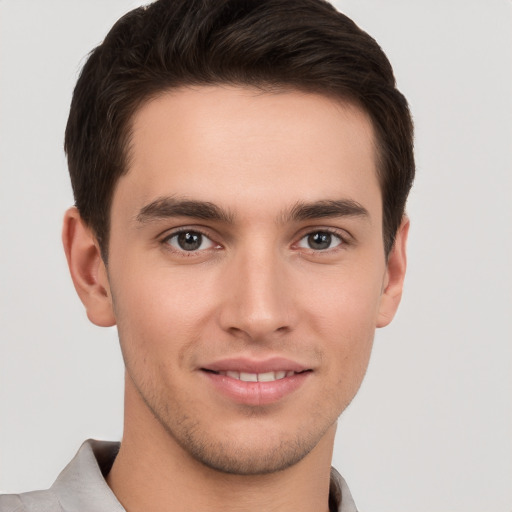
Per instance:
(240,171)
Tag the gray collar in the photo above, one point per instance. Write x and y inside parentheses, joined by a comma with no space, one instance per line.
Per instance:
(81,485)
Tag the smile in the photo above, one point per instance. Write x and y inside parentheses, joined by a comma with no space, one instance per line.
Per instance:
(257,377)
(255,384)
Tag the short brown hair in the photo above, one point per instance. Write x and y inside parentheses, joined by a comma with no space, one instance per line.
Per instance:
(298,44)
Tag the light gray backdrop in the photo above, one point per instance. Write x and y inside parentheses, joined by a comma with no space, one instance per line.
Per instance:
(431,429)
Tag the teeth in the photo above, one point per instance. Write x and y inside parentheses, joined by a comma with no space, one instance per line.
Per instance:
(258,377)
(249,377)
(266,377)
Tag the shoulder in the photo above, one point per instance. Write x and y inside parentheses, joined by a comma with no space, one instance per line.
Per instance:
(35,501)
(80,487)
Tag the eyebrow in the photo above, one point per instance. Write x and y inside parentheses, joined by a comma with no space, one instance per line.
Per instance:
(165,207)
(326,209)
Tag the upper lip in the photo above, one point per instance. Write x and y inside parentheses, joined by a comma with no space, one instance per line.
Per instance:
(248,365)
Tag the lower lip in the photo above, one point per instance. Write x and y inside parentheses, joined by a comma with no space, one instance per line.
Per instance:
(256,393)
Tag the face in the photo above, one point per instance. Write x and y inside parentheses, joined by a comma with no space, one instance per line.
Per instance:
(246,270)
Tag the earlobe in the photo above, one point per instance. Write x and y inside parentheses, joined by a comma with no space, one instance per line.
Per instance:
(87,269)
(395,274)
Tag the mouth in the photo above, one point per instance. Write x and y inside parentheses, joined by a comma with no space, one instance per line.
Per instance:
(269,376)
(256,383)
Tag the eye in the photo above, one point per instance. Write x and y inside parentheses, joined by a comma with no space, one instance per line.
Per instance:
(189,241)
(320,241)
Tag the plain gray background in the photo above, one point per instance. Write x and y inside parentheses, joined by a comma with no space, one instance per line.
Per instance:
(431,429)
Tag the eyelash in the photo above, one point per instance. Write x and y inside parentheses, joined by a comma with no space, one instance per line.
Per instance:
(341,235)
(182,252)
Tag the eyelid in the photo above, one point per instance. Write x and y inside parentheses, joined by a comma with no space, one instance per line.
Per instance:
(345,237)
(171,233)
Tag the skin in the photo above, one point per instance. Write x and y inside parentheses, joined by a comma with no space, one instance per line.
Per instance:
(254,289)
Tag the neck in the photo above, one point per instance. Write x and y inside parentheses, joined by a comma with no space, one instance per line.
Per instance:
(152,472)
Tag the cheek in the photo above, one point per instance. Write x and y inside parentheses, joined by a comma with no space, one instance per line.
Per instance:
(348,346)
(158,315)
(344,318)
(163,298)
(346,300)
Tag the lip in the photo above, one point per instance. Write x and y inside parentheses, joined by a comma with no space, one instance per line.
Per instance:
(256,393)
(242,364)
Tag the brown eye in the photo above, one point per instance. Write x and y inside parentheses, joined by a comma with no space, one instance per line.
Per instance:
(320,241)
(189,241)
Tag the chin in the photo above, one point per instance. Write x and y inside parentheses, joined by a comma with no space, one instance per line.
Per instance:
(261,449)
(247,458)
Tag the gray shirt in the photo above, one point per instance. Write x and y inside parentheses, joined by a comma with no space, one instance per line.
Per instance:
(81,486)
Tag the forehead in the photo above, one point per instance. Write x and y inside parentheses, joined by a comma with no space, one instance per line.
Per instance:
(238,145)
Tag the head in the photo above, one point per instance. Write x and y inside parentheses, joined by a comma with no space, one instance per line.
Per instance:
(240,170)
(305,45)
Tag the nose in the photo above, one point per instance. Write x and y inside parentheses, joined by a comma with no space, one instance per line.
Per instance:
(258,302)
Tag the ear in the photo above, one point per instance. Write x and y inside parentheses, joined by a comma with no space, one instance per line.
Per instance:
(394,278)
(87,269)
